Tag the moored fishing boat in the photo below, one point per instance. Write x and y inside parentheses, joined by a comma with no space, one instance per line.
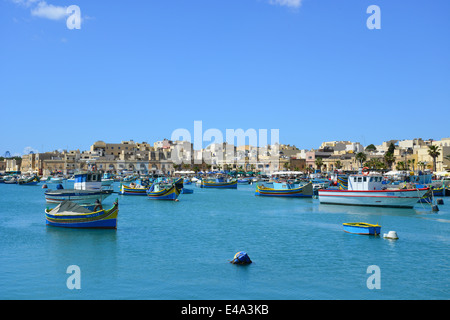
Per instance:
(368,190)
(71,215)
(219,183)
(161,191)
(133,189)
(31,181)
(243,181)
(87,189)
(281,189)
(10,180)
(107,179)
(362,228)
(54,179)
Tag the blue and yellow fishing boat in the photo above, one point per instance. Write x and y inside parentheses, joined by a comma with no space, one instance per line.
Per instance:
(438,191)
(362,228)
(282,189)
(68,214)
(159,191)
(219,183)
(133,189)
(32,181)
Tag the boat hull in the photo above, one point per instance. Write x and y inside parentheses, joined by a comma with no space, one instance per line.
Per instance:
(126,190)
(103,219)
(305,191)
(219,185)
(77,196)
(401,198)
(32,183)
(171,193)
(362,228)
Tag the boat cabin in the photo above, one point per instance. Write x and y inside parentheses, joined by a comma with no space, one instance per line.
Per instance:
(282,186)
(88,181)
(365,182)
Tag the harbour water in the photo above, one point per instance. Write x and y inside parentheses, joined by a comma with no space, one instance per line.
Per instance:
(181,250)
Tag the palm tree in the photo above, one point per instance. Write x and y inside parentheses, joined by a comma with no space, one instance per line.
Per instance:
(361,157)
(433,151)
(421,165)
(319,163)
(400,165)
(309,169)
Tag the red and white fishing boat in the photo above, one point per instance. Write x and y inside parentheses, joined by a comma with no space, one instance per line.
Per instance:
(366,189)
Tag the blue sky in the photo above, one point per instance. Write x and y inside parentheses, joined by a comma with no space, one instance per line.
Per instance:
(141,69)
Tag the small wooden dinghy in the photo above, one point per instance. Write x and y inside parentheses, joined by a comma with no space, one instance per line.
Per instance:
(362,228)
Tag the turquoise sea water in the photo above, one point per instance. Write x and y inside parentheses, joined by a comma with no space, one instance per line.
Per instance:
(181,250)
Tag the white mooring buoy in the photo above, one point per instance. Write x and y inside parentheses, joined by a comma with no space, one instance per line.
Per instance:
(391,235)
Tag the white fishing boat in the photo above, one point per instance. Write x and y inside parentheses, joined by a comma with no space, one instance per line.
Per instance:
(366,189)
(107,179)
(87,189)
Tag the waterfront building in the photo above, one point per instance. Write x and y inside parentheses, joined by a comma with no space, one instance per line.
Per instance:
(13,165)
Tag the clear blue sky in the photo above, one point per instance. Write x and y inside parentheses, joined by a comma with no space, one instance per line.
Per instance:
(141,69)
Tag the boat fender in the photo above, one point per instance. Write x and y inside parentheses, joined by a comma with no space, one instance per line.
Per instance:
(391,235)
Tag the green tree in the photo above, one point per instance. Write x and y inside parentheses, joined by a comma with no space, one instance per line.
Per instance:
(361,157)
(400,165)
(389,159)
(391,148)
(433,151)
(319,163)
(371,148)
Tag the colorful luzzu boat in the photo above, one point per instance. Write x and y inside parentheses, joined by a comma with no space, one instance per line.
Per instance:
(32,181)
(362,228)
(285,190)
(133,190)
(219,183)
(71,215)
(367,190)
(159,191)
